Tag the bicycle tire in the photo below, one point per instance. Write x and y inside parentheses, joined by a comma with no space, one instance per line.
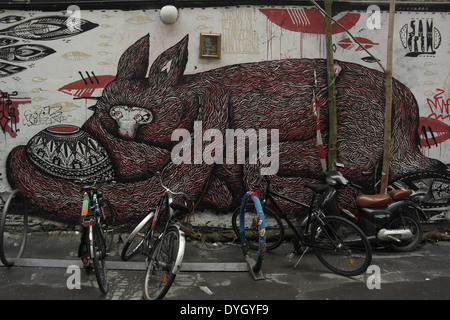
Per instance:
(162,264)
(108,222)
(341,246)
(10,205)
(135,240)
(97,249)
(274,227)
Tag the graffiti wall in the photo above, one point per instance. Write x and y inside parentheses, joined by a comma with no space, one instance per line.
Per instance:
(213,100)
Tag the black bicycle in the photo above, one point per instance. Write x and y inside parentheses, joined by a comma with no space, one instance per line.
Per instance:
(98,232)
(338,243)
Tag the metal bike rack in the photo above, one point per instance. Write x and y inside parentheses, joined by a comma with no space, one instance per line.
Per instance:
(112,264)
(135,265)
(254,267)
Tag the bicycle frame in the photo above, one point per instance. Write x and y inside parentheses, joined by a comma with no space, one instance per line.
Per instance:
(94,219)
(91,194)
(167,197)
(271,197)
(148,244)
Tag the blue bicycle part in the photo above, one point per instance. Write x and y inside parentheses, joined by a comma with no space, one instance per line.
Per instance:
(261,229)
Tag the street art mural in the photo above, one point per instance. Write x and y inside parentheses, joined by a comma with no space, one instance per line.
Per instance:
(38,29)
(128,133)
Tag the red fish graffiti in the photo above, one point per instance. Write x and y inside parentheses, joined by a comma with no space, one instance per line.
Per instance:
(350,44)
(92,86)
(308,20)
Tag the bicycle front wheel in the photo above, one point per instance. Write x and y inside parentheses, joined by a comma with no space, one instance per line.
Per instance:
(97,249)
(13,228)
(162,264)
(274,227)
(341,246)
(136,238)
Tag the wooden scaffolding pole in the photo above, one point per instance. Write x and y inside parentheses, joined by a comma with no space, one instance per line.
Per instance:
(388,101)
(332,127)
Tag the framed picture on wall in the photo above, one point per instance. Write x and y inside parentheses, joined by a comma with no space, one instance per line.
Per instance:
(210,44)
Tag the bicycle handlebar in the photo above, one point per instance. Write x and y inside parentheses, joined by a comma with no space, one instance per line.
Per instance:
(357,186)
(160,174)
(259,179)
(93,183)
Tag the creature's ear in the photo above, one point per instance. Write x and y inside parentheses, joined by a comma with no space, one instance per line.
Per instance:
(168,68)
(133,63)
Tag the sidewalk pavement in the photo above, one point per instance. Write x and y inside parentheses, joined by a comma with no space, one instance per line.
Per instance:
(218,271)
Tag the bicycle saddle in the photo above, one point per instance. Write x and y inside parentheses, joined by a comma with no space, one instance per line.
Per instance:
(317,188)
(178,206)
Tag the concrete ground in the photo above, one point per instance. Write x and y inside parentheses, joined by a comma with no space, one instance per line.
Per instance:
(218,271)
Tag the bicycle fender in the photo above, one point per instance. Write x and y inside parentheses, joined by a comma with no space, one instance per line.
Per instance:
(180,255)
(140,225)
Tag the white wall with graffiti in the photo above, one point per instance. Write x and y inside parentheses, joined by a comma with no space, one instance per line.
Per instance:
(54,65)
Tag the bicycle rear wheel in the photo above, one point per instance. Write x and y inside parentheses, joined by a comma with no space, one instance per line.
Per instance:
(97,249)
(341,246)
(162,264)
(136,238)
(274,227)
(13,228)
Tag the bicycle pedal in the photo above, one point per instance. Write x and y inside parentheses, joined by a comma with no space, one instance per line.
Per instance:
(290,256)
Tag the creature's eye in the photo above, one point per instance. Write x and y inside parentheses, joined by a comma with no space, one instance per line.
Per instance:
(117,115)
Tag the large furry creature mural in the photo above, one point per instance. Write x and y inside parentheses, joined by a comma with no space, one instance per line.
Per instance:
(129,135)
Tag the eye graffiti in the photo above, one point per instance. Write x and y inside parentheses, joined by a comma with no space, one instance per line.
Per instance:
(45,28)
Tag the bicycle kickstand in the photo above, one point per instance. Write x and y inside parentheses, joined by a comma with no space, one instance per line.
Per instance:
(304,251)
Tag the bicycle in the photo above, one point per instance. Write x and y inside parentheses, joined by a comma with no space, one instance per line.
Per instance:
(161,238)
(337,242)
(98,231)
